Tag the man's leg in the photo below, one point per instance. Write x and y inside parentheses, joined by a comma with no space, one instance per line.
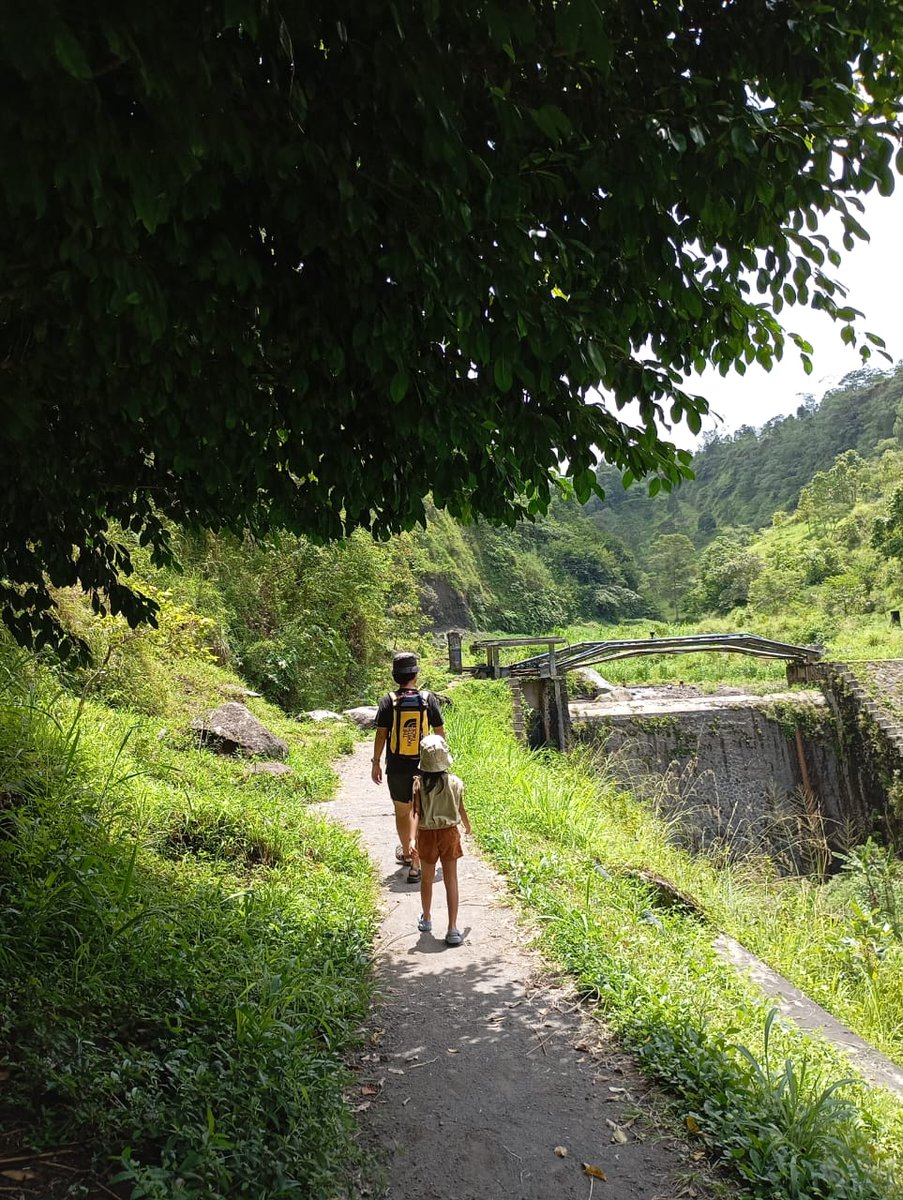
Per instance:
(403,825)
(401,789)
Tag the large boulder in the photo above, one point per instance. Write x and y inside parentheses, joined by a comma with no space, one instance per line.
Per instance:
(364,716)
(270,768)
(232,729)
(321,714)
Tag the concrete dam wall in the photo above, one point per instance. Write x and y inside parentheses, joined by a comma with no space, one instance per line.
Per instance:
(742,773)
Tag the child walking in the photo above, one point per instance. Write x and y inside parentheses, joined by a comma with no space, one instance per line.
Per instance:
(438,811)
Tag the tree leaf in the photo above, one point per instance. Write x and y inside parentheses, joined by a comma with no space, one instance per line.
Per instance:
(502,374)
(398,388)
(69,53)
(594,1171)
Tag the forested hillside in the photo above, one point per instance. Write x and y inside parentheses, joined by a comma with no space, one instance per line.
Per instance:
(559,569)
(824,474)
(745,477)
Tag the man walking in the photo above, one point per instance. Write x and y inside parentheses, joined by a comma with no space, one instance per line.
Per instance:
(403,718)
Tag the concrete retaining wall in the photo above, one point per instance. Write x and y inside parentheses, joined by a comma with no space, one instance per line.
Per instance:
(732,776)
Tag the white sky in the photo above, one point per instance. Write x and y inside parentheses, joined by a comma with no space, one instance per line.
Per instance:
(873,273)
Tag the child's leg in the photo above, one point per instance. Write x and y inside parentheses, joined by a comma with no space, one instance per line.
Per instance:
(428,874)
(450,877)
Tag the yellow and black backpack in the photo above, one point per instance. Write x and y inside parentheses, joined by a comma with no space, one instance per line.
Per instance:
(410,723)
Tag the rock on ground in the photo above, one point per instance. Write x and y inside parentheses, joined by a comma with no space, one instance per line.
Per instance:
(322,714)
(363,716)
(587,682)
(479,1063)
(232,727)
(270,768)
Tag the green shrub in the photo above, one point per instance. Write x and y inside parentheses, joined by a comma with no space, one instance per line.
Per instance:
(185,952)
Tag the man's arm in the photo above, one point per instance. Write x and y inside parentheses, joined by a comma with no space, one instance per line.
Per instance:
(379,743)
(434,715)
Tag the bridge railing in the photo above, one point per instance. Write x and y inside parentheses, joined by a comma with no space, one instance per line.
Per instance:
(584,654)
(540,681)
(554,660)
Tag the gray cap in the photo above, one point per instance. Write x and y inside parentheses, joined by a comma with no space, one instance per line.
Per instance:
(404,665)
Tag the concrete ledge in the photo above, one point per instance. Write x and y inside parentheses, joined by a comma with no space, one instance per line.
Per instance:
(797,1007)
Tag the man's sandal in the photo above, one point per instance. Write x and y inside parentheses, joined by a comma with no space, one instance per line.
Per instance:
(401,857)
(414,875)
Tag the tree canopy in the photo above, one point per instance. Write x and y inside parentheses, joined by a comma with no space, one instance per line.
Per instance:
(299,265)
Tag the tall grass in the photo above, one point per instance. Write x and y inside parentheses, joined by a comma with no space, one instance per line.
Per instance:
(183,948)
(763,1096)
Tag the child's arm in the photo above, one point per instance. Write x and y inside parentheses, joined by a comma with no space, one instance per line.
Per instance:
(415,814)
(465,819)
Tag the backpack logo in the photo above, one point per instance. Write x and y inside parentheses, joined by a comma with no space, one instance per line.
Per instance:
(410,723)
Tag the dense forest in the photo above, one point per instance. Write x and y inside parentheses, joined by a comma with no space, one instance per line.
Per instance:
(745,477)
(752,535)
(777,518)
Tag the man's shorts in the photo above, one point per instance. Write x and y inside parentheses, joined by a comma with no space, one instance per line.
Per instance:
(401,788)
(434,845)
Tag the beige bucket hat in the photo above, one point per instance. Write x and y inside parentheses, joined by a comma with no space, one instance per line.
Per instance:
(434,755)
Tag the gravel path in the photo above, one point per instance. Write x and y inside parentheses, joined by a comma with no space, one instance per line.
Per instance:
(480,1063)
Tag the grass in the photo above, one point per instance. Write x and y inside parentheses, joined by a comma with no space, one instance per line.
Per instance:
(768,1100)
(184,947)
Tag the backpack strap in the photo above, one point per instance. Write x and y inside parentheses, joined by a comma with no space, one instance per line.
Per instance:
(393,732)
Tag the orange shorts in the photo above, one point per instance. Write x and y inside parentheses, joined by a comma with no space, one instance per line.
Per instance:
(435,845)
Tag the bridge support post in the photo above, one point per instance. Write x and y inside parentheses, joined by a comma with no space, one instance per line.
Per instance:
(799,671)
(517,710)
(548,698)
(455,658)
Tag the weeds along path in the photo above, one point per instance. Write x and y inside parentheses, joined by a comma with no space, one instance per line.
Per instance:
(480,1064)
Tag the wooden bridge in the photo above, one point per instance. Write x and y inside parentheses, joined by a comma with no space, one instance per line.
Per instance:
(541,679)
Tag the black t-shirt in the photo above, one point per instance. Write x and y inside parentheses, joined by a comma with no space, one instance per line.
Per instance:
(402,763)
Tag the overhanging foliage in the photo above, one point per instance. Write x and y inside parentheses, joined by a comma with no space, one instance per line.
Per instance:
(299,265)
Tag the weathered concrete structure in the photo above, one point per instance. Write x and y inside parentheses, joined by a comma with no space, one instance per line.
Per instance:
(737,772)
(783,772)
(797,775)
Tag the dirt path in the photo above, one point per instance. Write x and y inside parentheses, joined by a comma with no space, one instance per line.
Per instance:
(481,1064)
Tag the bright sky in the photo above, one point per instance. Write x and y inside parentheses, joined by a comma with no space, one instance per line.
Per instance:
(873,273)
